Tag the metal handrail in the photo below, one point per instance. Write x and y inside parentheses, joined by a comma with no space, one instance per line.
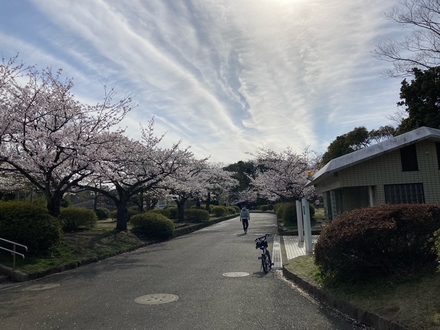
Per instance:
(14,253)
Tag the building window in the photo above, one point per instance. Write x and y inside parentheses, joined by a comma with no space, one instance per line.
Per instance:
(410,193)
(408,157)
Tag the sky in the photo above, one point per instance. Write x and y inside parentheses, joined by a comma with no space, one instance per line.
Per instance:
(225,77)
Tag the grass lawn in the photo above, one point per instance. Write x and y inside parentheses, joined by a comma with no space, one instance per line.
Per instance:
(413,302)
(76,247)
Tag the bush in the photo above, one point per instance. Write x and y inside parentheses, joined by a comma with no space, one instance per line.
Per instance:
(219,211)
(266,207)
(231,210)
(114,214)
(74,218)
(279,210)
(289,214)
(436,241)
(378,242)
(196,215)
(236,208)
(174,213)
(202,206)
(132,211)
(29,225)
(164,212)
(153,225)
(102,213)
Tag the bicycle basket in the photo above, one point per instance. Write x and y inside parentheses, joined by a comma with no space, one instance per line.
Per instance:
(261,244)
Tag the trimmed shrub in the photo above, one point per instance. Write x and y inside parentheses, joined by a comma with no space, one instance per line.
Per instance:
(236,208)
(219,211)
(153,225)
(436,241)
(164,212)
(231,210)
(29,225)
(174,213)
(102,213)
(202,206)
(196,215)
(132,211)
(279,210)
(266,207)
(378,242)
(114,214)
(289,214)
(75,218)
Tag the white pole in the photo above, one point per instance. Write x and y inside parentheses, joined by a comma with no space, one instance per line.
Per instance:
(307,226)
(299,220)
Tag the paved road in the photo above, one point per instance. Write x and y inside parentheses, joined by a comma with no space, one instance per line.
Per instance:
(210,279)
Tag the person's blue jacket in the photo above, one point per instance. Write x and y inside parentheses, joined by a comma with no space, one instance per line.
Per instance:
(244,214)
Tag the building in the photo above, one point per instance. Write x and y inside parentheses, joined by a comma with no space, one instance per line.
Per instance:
(403,169)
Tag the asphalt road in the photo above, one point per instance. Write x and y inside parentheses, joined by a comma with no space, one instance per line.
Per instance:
(210,279)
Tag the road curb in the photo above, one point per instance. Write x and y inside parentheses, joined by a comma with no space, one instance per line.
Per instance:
(360,315)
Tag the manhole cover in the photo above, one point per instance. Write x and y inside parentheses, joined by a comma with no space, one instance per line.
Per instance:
(40,287)
(156,299)
(236,274)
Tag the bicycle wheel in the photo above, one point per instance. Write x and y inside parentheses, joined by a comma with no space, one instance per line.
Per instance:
(268,259)
(264,263)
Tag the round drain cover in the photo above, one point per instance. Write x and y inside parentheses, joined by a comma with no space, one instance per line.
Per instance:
(156,299)
(236,274)
(40,287)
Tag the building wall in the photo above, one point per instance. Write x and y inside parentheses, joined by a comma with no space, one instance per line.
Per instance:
(354,181)
(387,169)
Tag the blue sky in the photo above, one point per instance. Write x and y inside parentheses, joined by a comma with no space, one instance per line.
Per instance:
(224,76)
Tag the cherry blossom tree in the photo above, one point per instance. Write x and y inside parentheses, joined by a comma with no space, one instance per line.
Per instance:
(282,176)
(49,137)
(217,182)
(133,167)
(187,183)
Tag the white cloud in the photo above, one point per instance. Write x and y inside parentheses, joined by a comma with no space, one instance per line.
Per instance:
(226,76)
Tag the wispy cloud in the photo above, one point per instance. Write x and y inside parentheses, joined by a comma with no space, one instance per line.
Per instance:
(226,76)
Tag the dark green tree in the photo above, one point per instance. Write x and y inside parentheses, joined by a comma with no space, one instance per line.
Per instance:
(356,139)
(344,144)
(241,169)
(421,97)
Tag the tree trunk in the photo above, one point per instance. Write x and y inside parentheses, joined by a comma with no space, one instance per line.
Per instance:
(54,204)
(122,215)
(208,202)
(95,201)
(181,209)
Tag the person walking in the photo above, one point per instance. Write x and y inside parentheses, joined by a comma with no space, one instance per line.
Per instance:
(244,218)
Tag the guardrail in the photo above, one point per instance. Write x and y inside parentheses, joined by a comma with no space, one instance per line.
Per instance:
(14,253)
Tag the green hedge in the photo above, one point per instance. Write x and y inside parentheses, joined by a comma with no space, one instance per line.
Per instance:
(236,208)
(153,225)
(75,218)
(196,215)
(174,213)
(232,210)
(219,211)
(102,213)
(378,242)
(29,225)
(164,212)
(267,207)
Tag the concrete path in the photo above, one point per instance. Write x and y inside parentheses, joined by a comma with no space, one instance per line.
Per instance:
(292,246)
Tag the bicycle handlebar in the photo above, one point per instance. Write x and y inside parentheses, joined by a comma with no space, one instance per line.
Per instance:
(264,236)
